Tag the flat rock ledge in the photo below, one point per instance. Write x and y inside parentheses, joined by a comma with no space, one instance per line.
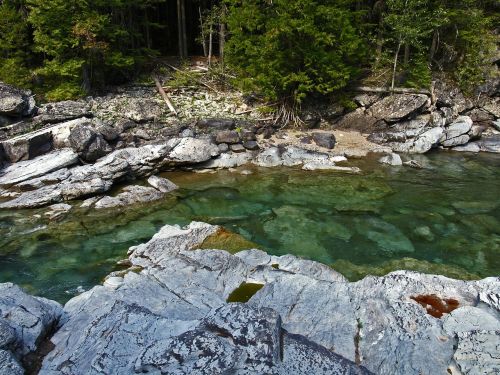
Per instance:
(169,313)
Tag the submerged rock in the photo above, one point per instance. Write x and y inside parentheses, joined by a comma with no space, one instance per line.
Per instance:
(391,159)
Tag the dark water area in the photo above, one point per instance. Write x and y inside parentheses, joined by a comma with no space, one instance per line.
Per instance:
(443,219)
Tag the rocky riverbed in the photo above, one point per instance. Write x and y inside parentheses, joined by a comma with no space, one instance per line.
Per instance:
(169,313)
(178,309)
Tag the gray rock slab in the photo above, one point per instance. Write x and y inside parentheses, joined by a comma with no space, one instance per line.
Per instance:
(398,107)
(37,167)
(15,102)
(25,321)
(162,184)
(129,163)
(176,318)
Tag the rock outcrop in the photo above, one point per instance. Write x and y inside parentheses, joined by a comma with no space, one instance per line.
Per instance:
(294,156)
(134,194)
(398,107)
(125,164)
(89,144)
(25,322)
(15,102)
(173,316)
(43,165)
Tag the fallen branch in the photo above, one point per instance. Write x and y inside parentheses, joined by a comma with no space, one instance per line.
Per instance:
(396,90)
(164,96)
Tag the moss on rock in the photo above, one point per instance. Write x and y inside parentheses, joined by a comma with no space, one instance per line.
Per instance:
(226,240)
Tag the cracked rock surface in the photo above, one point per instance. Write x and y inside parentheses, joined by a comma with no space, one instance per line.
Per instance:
(25,322)
(169,314)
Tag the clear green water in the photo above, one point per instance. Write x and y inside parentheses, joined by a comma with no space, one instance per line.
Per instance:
(443,219)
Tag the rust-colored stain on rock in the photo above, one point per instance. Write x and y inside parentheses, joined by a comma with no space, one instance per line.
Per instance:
(435,305)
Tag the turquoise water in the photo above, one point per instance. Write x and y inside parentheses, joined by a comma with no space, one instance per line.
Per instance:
(442,219)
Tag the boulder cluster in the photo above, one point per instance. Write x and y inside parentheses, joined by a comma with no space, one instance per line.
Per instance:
(417,123)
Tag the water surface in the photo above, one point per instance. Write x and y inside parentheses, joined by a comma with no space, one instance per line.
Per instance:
(442,219)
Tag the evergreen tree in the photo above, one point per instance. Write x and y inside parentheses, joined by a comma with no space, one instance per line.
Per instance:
(15,52)
(291,48)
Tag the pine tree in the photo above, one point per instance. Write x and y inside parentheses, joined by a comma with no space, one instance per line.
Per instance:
(288,49)
(15,52)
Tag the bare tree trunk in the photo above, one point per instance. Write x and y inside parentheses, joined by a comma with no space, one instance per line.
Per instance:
(395,65)
(203,36)
(407,54)
(148,32)
(222,36)
(210,46)
(179,28)
(380,41)
(184,32)
(181,25)
(434,46)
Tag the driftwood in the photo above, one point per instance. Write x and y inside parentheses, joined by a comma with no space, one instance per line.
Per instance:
(396,90)
(164,96)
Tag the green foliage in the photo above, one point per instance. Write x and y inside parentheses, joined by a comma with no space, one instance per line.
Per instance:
(292,48)
(452,35)
(82,52)
(473,45)
(283,49)
(419,72)
(411,21)
(62,79)
(183,78)
(13,71)
(14,43)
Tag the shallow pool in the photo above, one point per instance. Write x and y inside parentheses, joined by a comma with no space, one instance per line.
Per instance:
(442,219)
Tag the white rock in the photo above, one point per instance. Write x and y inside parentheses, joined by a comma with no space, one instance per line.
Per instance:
(391,159)
(113,282)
